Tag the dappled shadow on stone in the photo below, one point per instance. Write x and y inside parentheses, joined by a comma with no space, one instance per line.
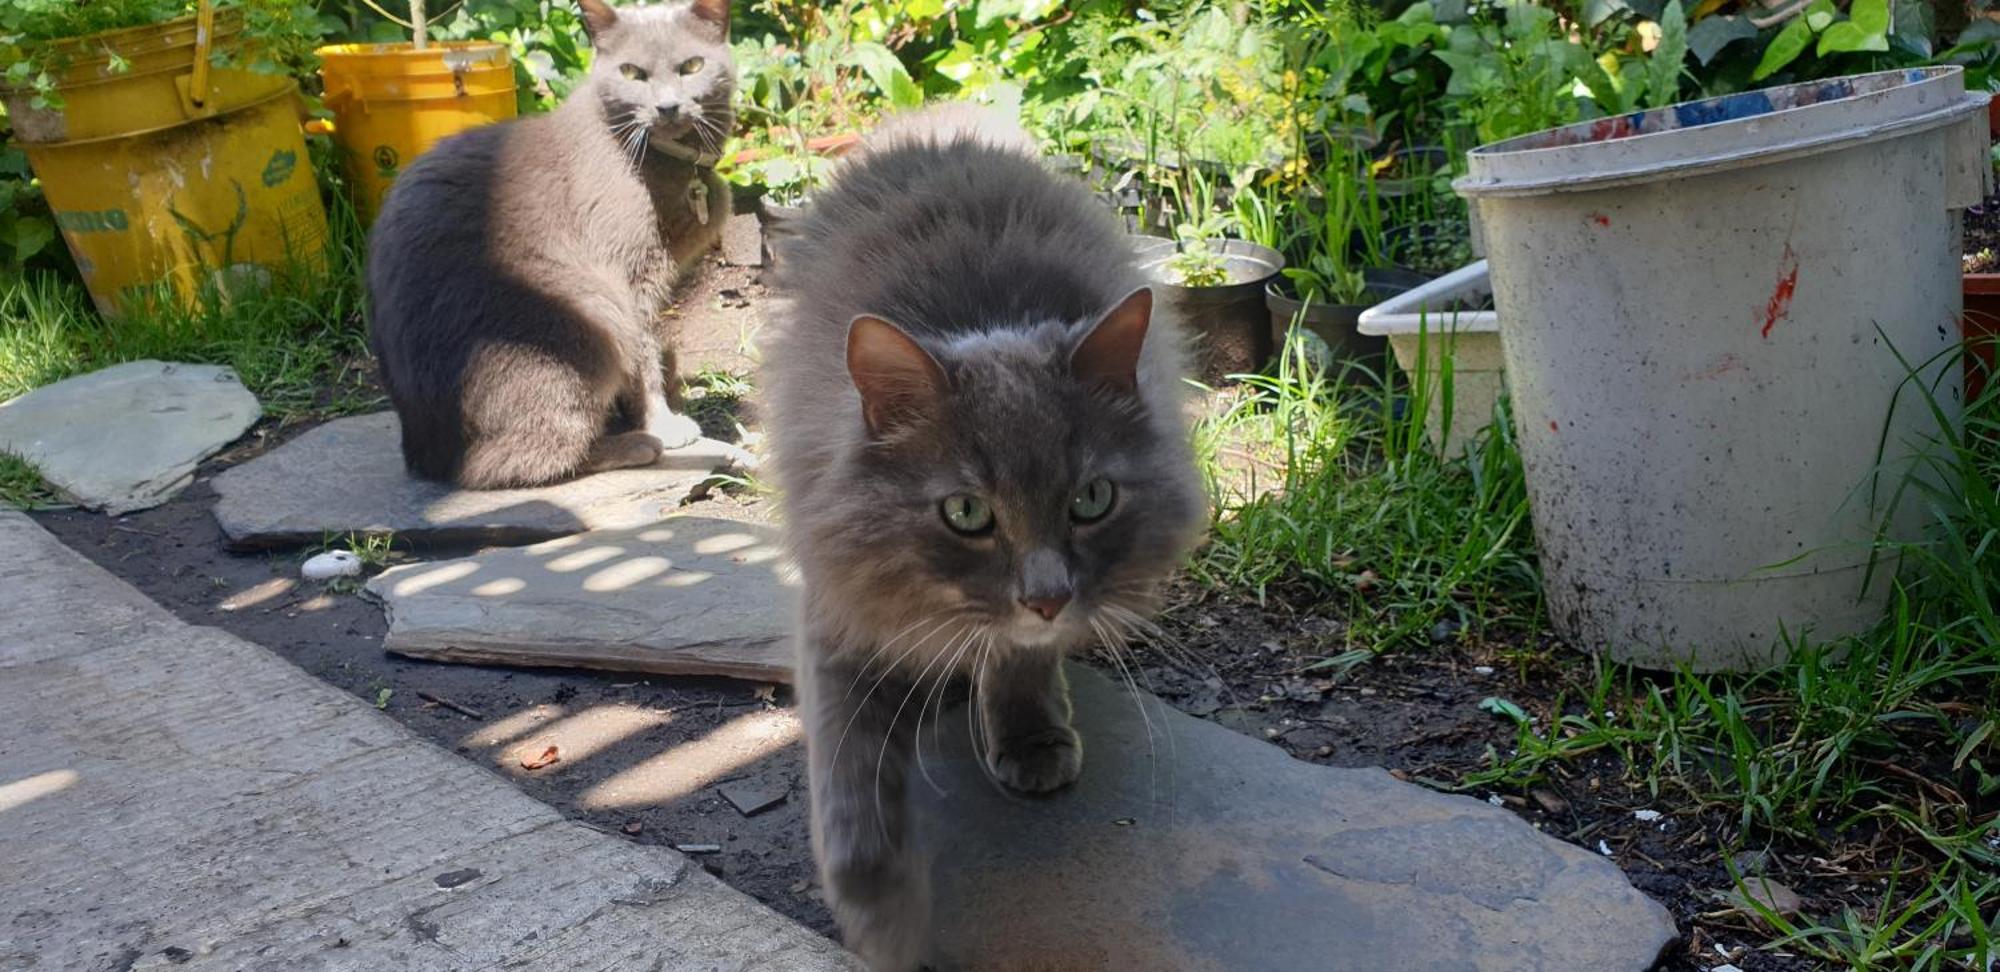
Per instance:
(685,596)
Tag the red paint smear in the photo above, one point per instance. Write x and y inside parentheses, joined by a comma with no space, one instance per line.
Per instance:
(1780,304)
(1722,366)
(1600,219)
(1553,427)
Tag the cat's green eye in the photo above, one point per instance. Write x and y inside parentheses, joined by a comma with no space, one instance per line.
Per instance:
(632,72)
(966,513)
(1093,501)
(691,65)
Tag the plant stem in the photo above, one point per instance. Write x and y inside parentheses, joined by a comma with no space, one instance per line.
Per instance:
(420,25)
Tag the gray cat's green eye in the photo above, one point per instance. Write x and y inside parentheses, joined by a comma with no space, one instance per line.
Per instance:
(1093,501)
(691,65)
(966,513)
(632,72)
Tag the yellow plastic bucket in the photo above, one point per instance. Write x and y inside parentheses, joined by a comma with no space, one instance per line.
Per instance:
(173,172)
(391,103)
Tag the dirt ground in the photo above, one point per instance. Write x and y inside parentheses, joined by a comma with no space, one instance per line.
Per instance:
(1242,665)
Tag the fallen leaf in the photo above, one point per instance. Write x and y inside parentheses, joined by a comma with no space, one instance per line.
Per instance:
(765,693)
(548,757)
(799,886)
(1766,895)
(633,827)
(1502,707)
(1550,800)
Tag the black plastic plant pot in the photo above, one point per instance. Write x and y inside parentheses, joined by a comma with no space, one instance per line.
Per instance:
(1335,323)
(1230,324)
(1411,169)
(776,220)
(1440,245)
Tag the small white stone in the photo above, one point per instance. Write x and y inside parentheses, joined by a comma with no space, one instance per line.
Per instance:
(331,564)
(1604,848)
(1645,816)
(1482,669)
(1496,801)
(1725,968)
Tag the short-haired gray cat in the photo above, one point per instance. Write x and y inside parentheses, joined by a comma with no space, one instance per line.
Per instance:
(517,271)
(975,422)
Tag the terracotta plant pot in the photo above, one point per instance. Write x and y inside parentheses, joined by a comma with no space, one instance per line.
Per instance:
(1981,327)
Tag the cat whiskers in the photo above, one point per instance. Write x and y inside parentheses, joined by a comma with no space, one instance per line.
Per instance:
(983,635)
(957,642)
(1112,640)
(631,137)
(859,707)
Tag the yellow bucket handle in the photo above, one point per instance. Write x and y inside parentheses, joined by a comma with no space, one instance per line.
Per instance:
(204,34)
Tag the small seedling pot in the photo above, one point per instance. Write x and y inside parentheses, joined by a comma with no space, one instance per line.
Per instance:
(1439,330)
(1335,323)
(1229,321)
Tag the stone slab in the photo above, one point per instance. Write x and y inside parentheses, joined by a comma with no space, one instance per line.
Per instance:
(689,595)
(348,476)
(174,796)
(127,437)
(743,241)
(1204,849)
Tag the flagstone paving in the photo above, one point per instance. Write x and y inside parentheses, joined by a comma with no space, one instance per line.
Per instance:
(127,437)
(347,476)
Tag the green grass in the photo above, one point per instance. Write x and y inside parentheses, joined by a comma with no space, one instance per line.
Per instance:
(1343,494)
(21,486)
(293,344)
(1884,746)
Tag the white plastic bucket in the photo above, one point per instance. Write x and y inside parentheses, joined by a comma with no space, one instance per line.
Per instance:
(1701,303)
(1426,328)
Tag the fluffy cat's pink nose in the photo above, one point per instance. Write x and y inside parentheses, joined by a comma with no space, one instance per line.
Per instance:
(1047,607)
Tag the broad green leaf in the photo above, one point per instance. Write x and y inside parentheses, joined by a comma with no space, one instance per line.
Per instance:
(30,235)
(1710,35)
(1915,23)
(891,78)
(1663,70)
(1844,37)
(1784,49)
(1872,16)
(1501,707)
(1820,14)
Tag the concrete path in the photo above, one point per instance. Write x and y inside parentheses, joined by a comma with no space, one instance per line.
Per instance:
(173,796)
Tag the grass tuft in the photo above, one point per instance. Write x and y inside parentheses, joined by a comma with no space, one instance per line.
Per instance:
(290,343)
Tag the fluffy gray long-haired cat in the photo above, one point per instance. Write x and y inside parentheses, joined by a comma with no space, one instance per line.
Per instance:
(975,420)
(516,272)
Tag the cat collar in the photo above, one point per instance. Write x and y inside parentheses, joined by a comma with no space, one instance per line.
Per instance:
(690,154)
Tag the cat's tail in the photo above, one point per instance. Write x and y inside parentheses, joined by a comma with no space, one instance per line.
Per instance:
(947,122)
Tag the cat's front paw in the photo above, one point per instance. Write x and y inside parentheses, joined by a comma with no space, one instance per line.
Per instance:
(1039,761)
(674,431)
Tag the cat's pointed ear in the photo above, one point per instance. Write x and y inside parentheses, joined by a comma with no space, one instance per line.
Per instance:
(1109,354)
(598,17)
(714,11)
(898,380)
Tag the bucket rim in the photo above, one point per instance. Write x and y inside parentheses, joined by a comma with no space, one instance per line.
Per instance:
(1728,131)
(288,90)
(397,52)
(228,20)
(87,64)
